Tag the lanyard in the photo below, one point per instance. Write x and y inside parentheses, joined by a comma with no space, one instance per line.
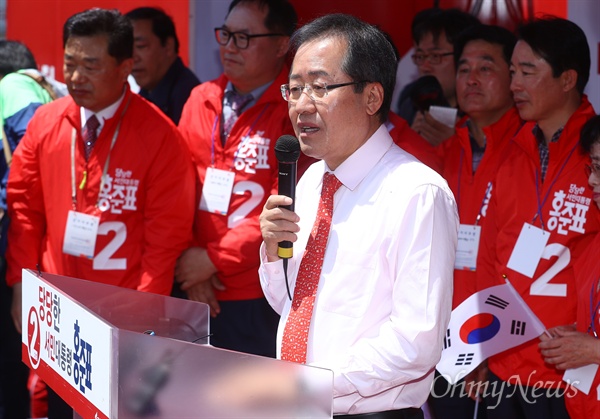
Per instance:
(537,187)
(244,140)
(487,190)
(106,163)
(594,311)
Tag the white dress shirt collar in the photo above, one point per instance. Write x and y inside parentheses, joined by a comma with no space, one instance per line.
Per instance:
(356,167)
(102,115)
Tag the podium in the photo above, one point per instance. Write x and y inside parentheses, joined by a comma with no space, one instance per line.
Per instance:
(112,352)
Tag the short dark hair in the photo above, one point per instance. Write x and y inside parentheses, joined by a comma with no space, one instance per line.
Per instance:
(281,16)
(369,55)
(562,44)
(112,23)
(590,134)
(14,56)
(492,34)
(436,21)
(162,24)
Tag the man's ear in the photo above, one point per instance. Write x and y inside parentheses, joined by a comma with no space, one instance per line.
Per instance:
(568,79)
(125,68)
(373,97)
(170,47)
(283,45)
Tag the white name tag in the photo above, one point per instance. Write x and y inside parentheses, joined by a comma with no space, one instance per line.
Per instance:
(216,191)
(528,250)
(582,378)
(468,247)
(80,234)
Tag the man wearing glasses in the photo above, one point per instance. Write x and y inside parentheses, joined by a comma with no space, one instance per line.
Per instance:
(434,32)
(231,125)
(374,231)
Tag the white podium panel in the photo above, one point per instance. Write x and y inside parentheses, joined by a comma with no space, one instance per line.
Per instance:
(112,352)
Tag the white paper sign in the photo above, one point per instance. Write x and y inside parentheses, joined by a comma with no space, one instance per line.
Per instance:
(216,191)
(581,378)
(468,247)
(80,234)
(528,250)
(445,115)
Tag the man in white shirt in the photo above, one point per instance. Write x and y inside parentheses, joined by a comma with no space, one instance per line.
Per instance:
(383,297)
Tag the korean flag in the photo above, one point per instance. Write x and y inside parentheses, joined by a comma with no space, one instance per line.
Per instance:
(488,322)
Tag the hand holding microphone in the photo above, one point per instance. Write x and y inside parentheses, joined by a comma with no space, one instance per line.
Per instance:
(287,151)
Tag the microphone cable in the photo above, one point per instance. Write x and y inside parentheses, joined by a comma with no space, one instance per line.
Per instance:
(287,283)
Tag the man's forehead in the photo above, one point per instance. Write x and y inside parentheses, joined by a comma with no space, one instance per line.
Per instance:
(524,55)
(99,41)
(88,48)
(310,74)
(481,49)
(246,17)
(319,57)
(142,27)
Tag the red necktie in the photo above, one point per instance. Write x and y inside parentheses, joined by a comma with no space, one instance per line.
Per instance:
(295,333)
(90,135)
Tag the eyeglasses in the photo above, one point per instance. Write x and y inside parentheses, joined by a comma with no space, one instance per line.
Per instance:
(433,58)
(313,90)
(592,168)
(240,39)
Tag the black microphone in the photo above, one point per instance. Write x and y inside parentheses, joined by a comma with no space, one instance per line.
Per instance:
(287,151)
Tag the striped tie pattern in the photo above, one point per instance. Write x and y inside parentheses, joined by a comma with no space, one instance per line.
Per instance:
(90,135)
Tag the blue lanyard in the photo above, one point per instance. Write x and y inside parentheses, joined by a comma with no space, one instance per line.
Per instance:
(245,138)
(594,312)
(537,187)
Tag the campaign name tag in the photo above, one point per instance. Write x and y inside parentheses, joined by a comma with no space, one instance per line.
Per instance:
(582,378)
(80,234)
(216,191)
(527,253)
(468,247)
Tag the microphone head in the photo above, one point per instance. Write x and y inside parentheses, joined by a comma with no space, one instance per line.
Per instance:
(427,91)
(287,149)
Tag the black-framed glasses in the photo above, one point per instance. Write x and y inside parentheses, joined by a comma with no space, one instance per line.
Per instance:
(240,39)
(433,58)
(292,93)
(592,168)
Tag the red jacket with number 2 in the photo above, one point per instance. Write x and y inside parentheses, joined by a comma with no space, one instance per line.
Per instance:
(147,199)
(567,213)
(232,241)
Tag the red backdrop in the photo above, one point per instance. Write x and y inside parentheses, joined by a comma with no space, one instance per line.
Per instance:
(39,23)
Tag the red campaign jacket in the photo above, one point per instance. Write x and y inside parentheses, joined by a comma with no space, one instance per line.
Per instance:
(572,219)
(408,139)
(233,240)
(470,188)
(148,196)
(587,273)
